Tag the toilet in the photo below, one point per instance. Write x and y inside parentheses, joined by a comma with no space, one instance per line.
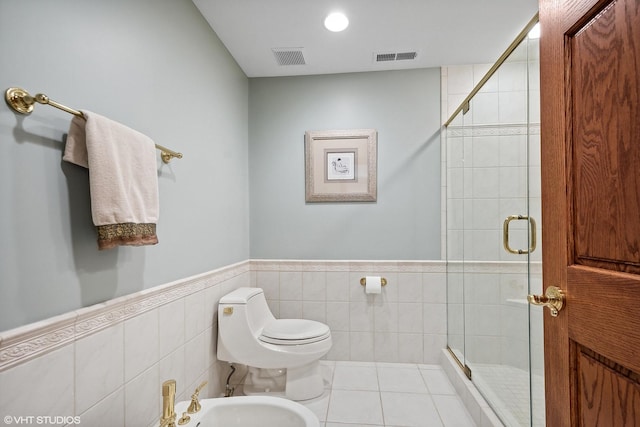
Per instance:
(282,352)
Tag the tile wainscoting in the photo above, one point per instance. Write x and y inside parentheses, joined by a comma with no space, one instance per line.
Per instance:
(108,361)
(97,362)
(405,323)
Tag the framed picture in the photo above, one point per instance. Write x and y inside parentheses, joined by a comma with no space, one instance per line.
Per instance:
(341,165)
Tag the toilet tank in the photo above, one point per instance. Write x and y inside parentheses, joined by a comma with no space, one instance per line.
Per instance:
(251,307)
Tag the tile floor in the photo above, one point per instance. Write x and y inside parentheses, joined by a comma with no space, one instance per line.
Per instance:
(367,394)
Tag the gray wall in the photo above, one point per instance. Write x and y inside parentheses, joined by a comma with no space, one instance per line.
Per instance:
(156,66)
(404,106)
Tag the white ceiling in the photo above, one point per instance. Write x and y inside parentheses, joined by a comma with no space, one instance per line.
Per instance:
(442,32)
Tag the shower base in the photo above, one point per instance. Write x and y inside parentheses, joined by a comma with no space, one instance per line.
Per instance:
(508,390)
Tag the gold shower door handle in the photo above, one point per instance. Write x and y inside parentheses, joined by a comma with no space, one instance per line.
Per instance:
(553,299)
(505,234)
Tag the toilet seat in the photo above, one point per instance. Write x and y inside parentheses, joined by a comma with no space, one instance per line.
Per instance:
(294,332)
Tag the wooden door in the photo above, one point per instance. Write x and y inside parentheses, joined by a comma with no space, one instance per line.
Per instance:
(590,103)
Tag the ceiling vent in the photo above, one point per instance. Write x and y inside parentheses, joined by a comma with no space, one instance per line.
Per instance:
(289,56)
(381,57)
(394,56)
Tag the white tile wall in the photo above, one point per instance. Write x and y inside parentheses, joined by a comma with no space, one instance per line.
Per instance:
(99,366)
(106,363)
(405,323)
(141,335)
(42,386)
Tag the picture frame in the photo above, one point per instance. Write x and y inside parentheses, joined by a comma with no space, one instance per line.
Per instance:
(341,165)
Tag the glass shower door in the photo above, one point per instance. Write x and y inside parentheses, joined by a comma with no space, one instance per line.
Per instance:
(499,242)
(493,245)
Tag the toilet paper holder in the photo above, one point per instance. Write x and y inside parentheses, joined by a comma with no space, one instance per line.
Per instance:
(363,281)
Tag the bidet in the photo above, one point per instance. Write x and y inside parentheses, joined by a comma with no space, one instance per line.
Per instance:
(250,411)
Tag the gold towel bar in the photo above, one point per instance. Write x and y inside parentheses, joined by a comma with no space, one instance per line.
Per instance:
(21,102)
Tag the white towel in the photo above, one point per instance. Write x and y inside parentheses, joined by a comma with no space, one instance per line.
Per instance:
(123,179)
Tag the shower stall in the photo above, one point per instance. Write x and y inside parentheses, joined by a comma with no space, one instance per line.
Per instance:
(493,244)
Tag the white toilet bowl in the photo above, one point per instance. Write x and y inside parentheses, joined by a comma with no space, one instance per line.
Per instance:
(249,334)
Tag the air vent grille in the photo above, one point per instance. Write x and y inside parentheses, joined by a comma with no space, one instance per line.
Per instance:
(405,55)
(381,57)
(395,56)
(289,56)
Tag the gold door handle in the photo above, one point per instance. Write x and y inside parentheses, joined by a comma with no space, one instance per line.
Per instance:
(505,234)
(553,299)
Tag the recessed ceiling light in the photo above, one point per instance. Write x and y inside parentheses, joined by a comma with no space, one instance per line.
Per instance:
(336,22)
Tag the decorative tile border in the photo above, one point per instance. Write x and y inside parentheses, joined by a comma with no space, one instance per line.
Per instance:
(30,341)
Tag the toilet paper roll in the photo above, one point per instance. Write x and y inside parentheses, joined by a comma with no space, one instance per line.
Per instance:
(373,285)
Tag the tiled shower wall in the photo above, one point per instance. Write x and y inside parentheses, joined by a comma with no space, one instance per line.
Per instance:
(106,363)
(490,161)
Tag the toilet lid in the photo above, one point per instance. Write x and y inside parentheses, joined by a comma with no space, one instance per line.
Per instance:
(294,331)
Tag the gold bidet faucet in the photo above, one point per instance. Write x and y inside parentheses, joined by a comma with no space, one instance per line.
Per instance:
(168,404)
(195,403)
